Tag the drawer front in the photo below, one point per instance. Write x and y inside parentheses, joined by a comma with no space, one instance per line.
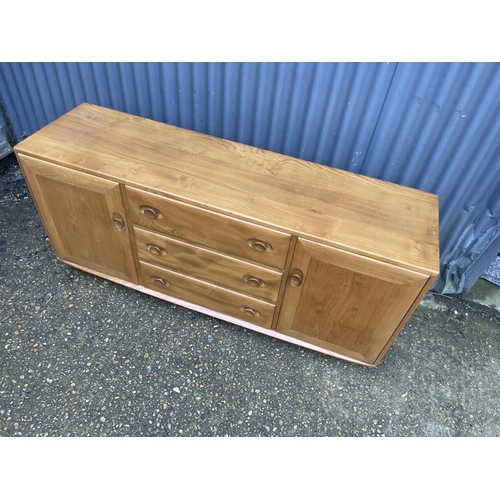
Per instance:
(205,228)
(207,295)
(207,265)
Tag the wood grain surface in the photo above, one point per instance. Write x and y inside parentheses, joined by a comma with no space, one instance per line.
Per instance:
(311,254)
(203,227)
(78,214)
(207,295)
(207,265)
(393,223)
(345,300)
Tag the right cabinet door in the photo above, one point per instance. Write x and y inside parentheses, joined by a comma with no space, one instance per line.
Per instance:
(345,303)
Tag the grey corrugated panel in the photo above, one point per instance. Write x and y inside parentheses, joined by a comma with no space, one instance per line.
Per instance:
(11,92)
(317,111)
(433,126)
(440,131)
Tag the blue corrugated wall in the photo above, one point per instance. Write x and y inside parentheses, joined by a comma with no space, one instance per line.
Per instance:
(433,126)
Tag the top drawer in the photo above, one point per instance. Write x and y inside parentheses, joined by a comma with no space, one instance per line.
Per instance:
(196,225)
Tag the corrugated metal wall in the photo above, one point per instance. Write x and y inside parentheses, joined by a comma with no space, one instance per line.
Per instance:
(433,126)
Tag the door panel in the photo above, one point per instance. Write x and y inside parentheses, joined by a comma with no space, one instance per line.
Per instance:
(83,216)
(347,303)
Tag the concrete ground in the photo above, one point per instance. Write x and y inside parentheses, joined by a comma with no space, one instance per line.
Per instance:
(81,356)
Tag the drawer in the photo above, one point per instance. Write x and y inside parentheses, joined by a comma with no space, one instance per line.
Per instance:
(204,294)
(206,228)
(207,265)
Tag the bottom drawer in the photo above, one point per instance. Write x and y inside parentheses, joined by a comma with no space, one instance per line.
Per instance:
(207,295)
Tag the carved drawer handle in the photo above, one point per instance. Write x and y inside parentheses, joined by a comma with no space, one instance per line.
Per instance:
(150,212)
(253,281)
(259,245)
(118,221)
(155,249)
(296,277)
(159,281)
(249,311)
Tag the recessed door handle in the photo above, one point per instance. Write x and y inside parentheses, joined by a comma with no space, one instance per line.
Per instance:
(254,281)
(159,281)
(150,212)
(259,245)
(155,249)
(118,221)
(296,277)
(248,311)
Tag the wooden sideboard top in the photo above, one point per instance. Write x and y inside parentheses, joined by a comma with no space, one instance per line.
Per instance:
(379,219)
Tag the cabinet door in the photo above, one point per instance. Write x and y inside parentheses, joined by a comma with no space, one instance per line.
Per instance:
(83,216)
(347,304)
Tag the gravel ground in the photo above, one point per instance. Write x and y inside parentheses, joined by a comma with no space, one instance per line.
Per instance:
(81,356)
(492,272)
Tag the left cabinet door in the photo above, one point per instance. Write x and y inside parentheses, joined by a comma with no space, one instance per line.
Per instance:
(83,216)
